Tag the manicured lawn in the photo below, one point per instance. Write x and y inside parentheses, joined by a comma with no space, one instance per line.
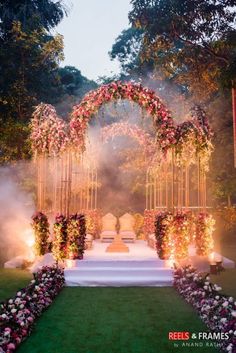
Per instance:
(114,320)
(11,280)
(227,280)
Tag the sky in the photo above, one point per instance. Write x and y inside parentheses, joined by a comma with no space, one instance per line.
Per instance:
(89,32)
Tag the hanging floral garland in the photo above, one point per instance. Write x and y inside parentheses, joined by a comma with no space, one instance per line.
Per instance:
(164,231)
(144,97)
(48,132)
(149,222)
(76,233)
(60,237)
(40,227)
(204,234)
(193,140)
(181,235)
(93,221)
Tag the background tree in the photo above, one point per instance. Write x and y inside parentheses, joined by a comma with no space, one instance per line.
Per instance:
(29,70)
(186,51)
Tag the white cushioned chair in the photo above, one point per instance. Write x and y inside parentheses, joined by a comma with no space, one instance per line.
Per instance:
(108,227)
(127,222)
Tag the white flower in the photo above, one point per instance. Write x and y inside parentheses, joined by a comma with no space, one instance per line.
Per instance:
(4,316)
(18,294)
(231,299)
(205,287)
(229,347)
(10,301)
(217,297)
(22,306)
(13,311)
(225,304)
(233,313)
(223,320)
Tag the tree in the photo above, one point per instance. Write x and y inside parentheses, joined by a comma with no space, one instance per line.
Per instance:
(29,63)
(193,42)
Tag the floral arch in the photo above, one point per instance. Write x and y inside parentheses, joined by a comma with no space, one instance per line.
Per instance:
(67,175)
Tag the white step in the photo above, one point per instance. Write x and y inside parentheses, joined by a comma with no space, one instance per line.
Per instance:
(118,273)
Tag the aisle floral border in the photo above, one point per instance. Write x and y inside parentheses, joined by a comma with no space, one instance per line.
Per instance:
(218,311)
(18,314)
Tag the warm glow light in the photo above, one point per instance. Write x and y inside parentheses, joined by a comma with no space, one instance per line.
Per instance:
(211,256)
(29,240)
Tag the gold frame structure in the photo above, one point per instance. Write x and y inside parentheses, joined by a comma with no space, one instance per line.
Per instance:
(176,186)
(67,183)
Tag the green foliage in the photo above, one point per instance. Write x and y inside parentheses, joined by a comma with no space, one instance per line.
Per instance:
(14,141)
(190,41)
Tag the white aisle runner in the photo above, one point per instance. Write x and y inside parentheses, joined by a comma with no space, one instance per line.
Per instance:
(139,267)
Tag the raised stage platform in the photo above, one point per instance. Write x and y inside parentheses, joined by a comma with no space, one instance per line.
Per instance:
(139,267)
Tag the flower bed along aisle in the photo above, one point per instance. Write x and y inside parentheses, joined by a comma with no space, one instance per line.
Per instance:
(18,314)
(216,310)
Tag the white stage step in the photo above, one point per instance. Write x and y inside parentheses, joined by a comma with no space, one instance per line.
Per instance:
(118,273)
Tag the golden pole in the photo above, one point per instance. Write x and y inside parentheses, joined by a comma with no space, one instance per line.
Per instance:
(173,181)
(146,189)
(96,188)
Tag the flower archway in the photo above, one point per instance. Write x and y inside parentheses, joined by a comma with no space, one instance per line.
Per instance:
(176,182)
(180,146)
(145,140)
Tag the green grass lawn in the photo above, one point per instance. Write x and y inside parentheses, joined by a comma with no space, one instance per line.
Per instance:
(114,320)
(227,281)
(11,280)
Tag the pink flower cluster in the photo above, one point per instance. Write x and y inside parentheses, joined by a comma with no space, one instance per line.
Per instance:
(144,97)
(216,310)
(149,222)
(48,132)
(18,314)
(51,135)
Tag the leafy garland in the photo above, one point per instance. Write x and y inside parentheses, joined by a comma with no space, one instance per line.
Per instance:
(48,132)
(40,227)
(164,235)
(60,238)
(204,234)
(76,233)
(18,314)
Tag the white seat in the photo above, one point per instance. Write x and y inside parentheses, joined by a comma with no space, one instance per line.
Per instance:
(127,222)
(108,227)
